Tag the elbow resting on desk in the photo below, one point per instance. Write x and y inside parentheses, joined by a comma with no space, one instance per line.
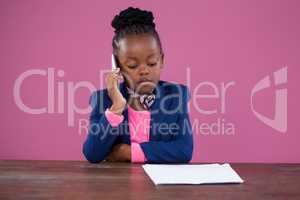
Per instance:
(92,155)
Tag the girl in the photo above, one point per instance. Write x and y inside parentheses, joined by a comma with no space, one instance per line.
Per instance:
(142,119)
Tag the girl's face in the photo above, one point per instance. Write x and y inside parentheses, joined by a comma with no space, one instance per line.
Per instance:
(141,61)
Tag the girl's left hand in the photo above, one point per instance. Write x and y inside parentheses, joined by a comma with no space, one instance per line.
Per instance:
(120,153)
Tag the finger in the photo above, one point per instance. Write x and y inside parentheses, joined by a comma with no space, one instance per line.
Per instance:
(117,70)
(109,157)
(112,159)
(120,77)
(115,77)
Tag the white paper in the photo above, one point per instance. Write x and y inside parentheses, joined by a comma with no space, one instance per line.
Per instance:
(192,174)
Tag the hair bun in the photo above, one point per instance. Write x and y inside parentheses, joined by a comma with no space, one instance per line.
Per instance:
(132,16)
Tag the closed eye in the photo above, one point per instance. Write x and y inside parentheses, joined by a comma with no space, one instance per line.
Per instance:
(132,66)
(152,64)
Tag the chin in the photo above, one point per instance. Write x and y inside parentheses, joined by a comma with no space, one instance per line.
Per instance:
(146,88)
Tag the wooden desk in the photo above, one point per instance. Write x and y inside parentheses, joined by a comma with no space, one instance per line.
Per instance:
(81,180)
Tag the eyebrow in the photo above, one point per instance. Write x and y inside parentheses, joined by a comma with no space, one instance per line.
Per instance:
(151,55)
(134,58)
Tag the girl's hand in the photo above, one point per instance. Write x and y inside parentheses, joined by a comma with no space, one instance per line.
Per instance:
(112,82)
(120,153)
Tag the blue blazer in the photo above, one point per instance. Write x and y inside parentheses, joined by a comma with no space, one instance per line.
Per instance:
(171,139)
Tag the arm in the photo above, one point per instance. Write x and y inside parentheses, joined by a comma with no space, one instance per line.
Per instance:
(101,136)
(180,148)
(103,130)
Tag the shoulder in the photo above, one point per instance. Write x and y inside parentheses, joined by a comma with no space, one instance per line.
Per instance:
(170,88)
(174,97)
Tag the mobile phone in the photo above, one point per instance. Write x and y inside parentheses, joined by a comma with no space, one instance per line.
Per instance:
(114,65)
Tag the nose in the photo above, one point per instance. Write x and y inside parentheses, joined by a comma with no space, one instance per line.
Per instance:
(144,70)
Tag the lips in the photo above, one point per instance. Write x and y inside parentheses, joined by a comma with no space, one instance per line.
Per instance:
(145,80)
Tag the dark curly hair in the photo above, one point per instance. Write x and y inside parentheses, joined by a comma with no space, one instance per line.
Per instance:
(133,21)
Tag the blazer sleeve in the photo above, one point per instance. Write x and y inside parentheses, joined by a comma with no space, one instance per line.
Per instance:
(180,148)
(101,135)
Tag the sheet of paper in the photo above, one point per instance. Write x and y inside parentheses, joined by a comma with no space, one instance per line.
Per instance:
(192,174)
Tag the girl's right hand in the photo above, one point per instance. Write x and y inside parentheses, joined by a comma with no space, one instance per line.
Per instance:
(112,82)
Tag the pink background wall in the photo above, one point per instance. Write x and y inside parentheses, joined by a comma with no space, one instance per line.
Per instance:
(236,41)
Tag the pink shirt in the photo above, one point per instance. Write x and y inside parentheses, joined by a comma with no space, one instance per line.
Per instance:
(139,128)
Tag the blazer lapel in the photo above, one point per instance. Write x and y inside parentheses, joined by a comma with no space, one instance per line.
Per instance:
(156,116)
